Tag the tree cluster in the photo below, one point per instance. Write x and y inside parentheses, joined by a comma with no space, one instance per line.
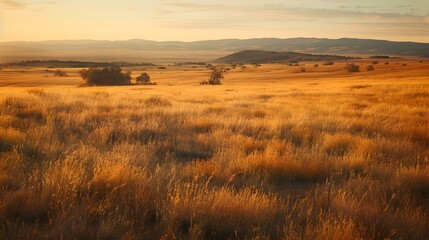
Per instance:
(108,76)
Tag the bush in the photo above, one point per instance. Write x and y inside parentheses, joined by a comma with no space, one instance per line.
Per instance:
(375,62)
(316,65)
(144,79)
(215,76)
(108,76)
(59,73)
(353,67)
(370,68)
(303,69)
(328,63)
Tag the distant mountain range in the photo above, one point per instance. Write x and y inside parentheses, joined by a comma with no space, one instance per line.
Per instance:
(144,50)
(260,56)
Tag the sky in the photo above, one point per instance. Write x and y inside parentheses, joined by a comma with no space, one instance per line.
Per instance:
(187,20)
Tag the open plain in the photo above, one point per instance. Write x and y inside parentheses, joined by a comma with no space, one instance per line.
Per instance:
(273,153)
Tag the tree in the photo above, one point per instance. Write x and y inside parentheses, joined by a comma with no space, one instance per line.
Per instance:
(216,76)
(144,79)
(108,76)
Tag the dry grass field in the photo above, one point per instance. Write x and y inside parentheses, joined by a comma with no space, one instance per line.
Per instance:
(273,153)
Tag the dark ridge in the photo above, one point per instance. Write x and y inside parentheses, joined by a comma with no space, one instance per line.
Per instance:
(259,56)
(381,57)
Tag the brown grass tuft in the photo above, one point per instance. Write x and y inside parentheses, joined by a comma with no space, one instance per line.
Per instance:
(157,102)
(338,144)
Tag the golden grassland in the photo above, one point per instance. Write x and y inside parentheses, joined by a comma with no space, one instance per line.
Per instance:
(274,153)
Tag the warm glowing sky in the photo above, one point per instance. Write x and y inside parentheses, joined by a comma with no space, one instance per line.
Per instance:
(187,20)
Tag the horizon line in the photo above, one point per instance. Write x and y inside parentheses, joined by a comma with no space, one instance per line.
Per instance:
(204,40)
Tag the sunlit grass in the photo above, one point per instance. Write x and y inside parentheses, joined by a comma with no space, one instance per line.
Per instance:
(328,161)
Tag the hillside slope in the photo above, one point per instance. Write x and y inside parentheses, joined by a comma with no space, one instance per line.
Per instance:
(259,56)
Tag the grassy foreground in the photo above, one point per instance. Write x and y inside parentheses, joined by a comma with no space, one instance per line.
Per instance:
(322,157)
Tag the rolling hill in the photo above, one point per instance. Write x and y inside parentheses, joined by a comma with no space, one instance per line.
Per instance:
(168,51)
(260,56)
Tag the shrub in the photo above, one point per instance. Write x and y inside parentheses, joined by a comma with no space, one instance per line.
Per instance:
(316,65)
(375,62)
(144,79)
(352,67)
(303,69)
(215,76)
(108,76)
(386,63)
(328,63)
(59,73)
(370,68)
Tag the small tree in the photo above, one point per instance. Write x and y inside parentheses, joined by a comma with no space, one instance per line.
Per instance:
(143,79)
(108,76)
(370,68)
(216,76)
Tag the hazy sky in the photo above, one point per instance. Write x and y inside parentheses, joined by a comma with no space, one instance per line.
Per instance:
(187,20)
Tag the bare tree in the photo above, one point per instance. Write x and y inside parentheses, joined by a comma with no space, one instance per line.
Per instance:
(216,75)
